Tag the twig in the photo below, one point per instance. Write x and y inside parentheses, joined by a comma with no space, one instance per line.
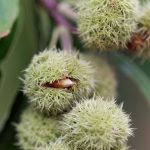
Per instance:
(52,7)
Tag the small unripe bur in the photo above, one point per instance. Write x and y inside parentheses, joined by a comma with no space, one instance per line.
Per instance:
(35,130)
(106,24)
(57,145)
(105,80)
(96,124)
(55,80)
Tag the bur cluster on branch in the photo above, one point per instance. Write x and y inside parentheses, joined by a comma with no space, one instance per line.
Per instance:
(68,111)
(72,95)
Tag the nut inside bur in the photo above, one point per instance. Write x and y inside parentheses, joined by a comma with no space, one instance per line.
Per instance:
(65,83)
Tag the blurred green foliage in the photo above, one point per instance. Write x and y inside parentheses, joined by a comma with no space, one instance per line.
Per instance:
(134,71)
(8,11)
(17,49)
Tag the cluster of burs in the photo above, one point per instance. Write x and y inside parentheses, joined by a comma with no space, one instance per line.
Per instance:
(72,95)
(72,104)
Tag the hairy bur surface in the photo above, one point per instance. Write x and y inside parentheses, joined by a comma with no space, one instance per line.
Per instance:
(35,131)
(57,145)
(96,124)
(106,24)
(55,80)
(140,41)
(105,80)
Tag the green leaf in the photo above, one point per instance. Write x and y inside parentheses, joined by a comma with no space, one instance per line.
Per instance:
(144,1)
(134,72)
(8,14)
(145,67)
(44,26)
(23,46)
(8,138)
(5,43)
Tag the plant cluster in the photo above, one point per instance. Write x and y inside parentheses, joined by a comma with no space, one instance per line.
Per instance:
(72,94)
(71,104)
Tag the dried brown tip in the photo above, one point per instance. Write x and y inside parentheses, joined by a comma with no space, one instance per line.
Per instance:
(138,40)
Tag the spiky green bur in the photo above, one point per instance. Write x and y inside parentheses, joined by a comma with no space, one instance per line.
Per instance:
(143,32)
(106,24)
(105,80)
(55,80)
(57,145)
(96,124)
(34,130)
(122,147)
